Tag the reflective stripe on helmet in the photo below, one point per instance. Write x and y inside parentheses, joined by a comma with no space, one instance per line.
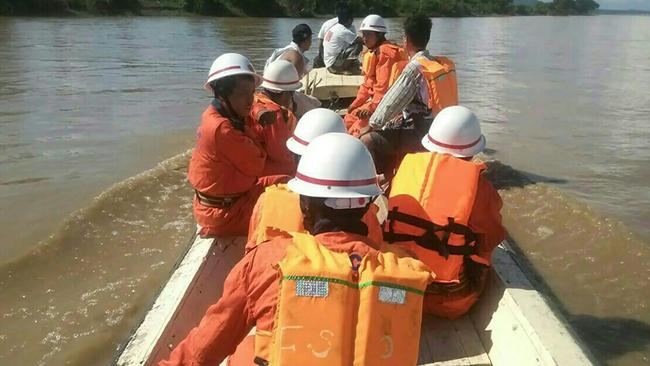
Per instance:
(224,69)
(281,82)
(300,141)
(456,147)
(336,183)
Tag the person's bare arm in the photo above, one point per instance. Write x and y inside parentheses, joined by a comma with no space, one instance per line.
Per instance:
(296,59)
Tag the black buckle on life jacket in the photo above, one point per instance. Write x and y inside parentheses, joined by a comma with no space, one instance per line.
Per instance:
(430,239)
(260,361)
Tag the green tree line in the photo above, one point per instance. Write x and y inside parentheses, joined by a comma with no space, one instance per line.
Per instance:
(63,7)
(298,8)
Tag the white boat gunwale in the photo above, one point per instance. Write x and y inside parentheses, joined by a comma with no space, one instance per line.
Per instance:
(511,324)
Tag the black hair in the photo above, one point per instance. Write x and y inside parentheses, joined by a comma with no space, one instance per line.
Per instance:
(301,33)
(344,13)
(314,211)
(418,29)
(223,87)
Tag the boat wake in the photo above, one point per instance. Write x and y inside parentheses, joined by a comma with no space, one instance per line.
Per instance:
(77,297)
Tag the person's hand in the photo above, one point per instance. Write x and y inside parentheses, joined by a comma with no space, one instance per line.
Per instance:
(364,130)
(266,118)
(363,113)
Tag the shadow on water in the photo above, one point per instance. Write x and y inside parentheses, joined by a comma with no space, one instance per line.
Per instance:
(504,176)
(611,337)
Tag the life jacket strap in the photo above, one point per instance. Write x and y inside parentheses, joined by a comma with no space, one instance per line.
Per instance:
(430,240)
(260,361)
(217,202)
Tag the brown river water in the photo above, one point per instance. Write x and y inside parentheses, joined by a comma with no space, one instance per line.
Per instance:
(97,114)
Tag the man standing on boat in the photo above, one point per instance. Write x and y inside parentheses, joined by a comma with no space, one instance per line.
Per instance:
(272,116)
(295,54)
(227,164)
(341,8)
(330,297)
(277,211)
(426,86)
(455,223)
(342,46)
(378,64)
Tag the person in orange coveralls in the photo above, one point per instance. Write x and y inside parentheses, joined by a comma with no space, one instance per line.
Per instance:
(455,224)
(336,180)
(277,211)
(272,116)
(378,66)
(227,164)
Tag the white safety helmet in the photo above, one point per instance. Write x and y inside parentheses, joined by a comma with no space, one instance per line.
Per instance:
(230,64)
(280,76)
(457,131)
(339,167)
(374,23)
(312,124)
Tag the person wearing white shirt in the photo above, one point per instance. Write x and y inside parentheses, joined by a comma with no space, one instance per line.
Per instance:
(341,7)
(294,52)
(342,47)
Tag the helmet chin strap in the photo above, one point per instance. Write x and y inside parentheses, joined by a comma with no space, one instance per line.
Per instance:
(227,111)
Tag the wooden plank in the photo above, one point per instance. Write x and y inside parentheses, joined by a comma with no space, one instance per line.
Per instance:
(204,291)
(444,343)
(474,350)
(425,357)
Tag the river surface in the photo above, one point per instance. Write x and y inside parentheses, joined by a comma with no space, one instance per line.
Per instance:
(97,114)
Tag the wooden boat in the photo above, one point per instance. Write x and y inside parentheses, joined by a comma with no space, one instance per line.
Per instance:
(512,324)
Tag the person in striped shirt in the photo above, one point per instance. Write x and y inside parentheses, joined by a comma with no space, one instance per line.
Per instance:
(404,114)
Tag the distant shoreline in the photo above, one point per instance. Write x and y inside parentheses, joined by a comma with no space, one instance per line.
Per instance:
(289,8)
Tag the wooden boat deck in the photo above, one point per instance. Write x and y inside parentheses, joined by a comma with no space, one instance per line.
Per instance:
(510,325)
(324,85)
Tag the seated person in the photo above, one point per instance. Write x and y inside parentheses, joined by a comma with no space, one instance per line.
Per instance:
(272,117)
(330,297)
(426,85)
(227,165)
(295,53)
(455,223)
(341,6)
(379,62)
(277,212)
(342,47)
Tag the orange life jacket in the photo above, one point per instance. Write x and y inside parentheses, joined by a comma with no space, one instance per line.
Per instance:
(396,71)
(329,313)
(430,203)
(391,50)
(440,77)
(278,213)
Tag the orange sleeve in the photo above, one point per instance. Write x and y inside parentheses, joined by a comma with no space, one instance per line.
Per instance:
(272,134)
(251,241)
(365,89)
(383,71)
(276,135)
(374,228)
(241,150)
(223,326)
(485,219)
